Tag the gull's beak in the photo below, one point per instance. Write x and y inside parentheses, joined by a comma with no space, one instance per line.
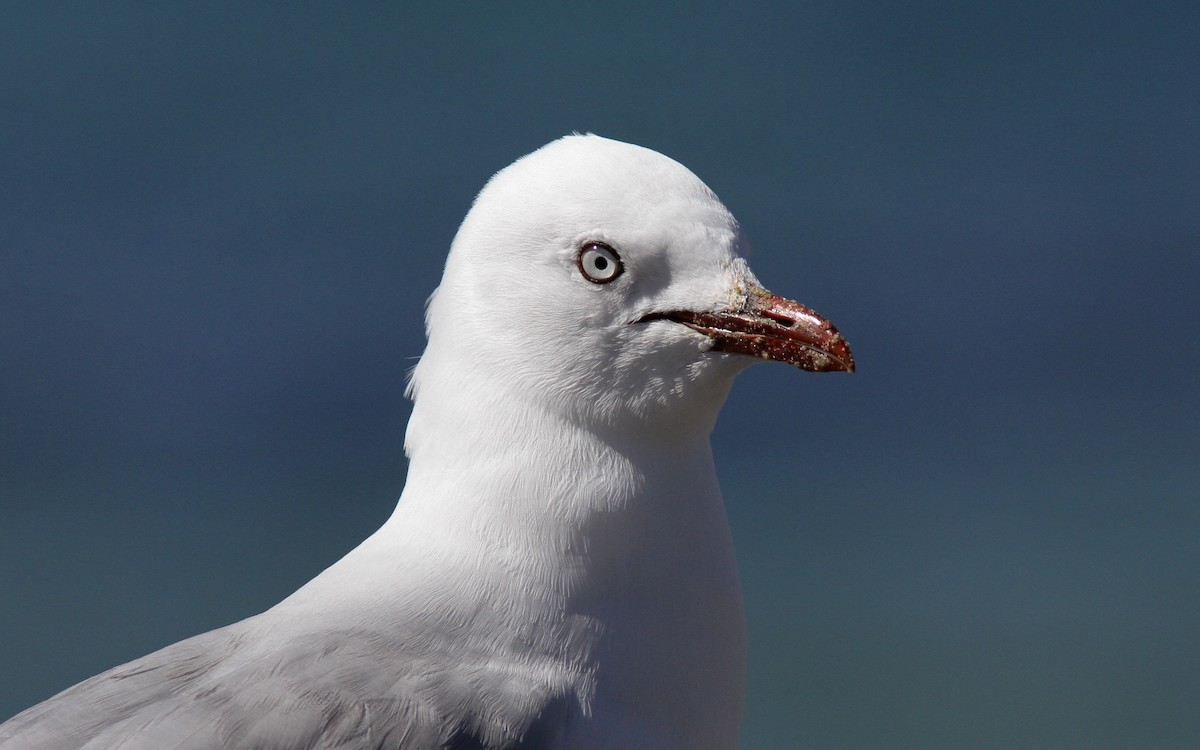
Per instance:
(771,327)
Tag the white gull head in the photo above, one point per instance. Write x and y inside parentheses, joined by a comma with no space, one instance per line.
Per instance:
(634,345)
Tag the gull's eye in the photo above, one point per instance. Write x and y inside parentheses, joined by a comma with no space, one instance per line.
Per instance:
(599,263)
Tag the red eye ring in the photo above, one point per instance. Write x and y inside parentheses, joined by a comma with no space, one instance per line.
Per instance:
(599,263)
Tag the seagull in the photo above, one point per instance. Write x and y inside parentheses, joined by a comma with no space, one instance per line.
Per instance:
(559,570)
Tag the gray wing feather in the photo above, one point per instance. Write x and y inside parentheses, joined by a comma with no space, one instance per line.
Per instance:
(235,688)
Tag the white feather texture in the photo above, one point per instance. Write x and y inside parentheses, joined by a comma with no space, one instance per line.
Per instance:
(558,572)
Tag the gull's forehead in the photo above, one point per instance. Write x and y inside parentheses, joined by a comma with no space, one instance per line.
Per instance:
(671,231)
(588,183)
(610,163)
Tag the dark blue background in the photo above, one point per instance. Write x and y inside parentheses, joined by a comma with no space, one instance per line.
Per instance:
(218,228)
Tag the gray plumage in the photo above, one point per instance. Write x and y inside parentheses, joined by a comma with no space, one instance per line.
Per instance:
(237,688)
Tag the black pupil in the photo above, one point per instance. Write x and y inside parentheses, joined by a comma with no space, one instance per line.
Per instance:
(600,262)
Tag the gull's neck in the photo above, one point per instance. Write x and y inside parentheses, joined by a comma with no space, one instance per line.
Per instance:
(602,556)
(499,463)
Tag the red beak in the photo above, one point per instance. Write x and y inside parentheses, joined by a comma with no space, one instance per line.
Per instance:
(770,327)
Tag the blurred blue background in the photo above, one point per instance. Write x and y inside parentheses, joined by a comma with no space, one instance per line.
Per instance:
(218,228)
